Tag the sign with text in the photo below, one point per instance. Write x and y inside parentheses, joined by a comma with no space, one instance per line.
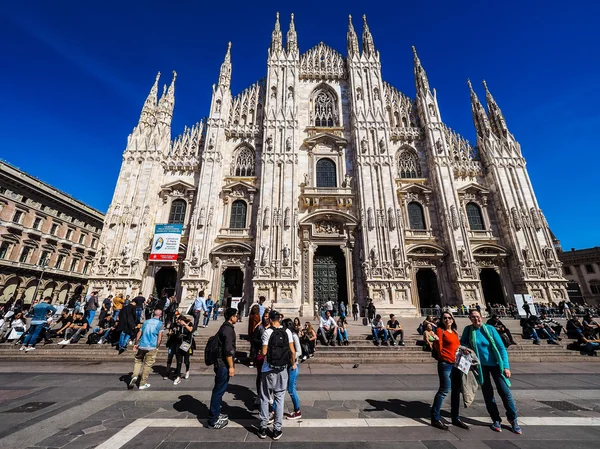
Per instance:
(165,244)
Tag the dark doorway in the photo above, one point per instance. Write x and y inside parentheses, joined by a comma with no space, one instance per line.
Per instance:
(329,276)
(427,286)
(165,282)
(492,287)
(232,284)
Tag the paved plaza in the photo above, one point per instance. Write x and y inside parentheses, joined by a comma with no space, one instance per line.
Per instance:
(67,405)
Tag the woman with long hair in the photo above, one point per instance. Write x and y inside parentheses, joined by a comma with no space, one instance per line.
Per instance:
(445,346)
(298,325)
(257,340)
(253,322)
(293,373)
(310,337)
(487,344)
(185,343)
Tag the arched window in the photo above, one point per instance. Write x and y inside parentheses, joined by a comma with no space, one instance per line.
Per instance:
(325,109)
(238,215)
(474,216)
(408,164)
(326,173)
(243,162)
(177,215)
(416,218)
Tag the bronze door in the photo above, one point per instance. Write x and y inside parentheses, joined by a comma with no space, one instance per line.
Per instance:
(325,280)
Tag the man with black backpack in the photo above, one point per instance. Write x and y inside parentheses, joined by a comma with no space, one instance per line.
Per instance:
(279,351)
(220,351)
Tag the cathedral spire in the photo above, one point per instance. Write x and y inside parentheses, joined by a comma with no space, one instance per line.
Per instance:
(480,118)
(367,38)
(421,80)
(166,103)
(292,37)
(352,39)
(496,116)
(276,44)
(225,73)
(147,116)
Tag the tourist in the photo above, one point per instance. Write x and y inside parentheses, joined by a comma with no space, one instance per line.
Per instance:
(591,328)
(355,310)
(504,331)
(105,329)
(317,311)
(394,330)
(224,369)
(91,305)
(185,346)
(76,330)
(216,311)
(574,328)
(342,332)
(446,345)
(379,331)
(371,310)
(261,306)
(297,325)
(536,328)
(64,321)
(38,320)
(294,372)
(327,329)
(257,341)
(170,311)
(566,310)
(329,307)
(198,308)
(527,309)
(279,352)
(309,336)
(253,323)
(126,325)
(105,307)
(241,308)
(210,304)
(139,301)
(493,358)
(342,309)
(118,302)
(18,326)
(429,337)
(172,345)
(147,342)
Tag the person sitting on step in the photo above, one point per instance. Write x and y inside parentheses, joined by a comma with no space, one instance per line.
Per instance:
(327,329)
(342,331)
(429,337)
(395,330)
(379,331)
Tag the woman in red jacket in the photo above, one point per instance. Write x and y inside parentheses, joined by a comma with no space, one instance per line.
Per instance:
(450,377)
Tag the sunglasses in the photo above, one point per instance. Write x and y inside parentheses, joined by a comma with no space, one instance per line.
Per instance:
(447,318)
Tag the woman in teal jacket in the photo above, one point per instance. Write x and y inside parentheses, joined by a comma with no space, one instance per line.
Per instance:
(487,344)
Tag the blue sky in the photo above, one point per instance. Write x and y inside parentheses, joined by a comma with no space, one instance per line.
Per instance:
(75,76)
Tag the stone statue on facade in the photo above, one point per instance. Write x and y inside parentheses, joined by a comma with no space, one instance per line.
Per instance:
(287,218)
(135,265)
(373,256)
(201,217)
(382,145)
(364,145)
(195,253)
(267,218)
(285,251)
(288,144)
(264,248)
(370,218)
(391,220)
(305,179)
(347,180)
(103,254)
(126,253)
(396,256)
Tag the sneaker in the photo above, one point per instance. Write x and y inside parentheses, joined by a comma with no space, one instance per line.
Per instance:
(31,348)
(552,342)
(67,342)
(496,427)
(262,433)
(144,387)
(48,342)
(219,424)
(223,416)
(132,382)
(271,418)
(100,342)
(514,426)
(177,381)
(277,434)
(401,343)
(22,348)
(187,375)
(294,415)
(536,342)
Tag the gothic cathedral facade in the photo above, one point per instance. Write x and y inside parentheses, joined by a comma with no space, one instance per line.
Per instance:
(322,181)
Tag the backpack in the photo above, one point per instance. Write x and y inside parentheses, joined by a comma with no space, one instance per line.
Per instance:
(278,352)
(93,339)
(212,351)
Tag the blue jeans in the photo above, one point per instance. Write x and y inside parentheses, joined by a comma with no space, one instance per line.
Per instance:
(591,347)
(221,383)
(90,317)
(139,311)
(503,391)
(342,334)
(123,340)
(378,333)
(33,334)
(216,314)
(292,378)
(116,314)
(450,382)
(206,319)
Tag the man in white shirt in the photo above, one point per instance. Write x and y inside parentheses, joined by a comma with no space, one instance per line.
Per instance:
(274,374)
(379,331)
(199,309)
(327,329)
(329,306)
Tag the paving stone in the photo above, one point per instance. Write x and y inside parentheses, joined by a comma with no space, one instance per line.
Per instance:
(395,445)
(91,440)
(149,438)
(201,434)
(438,445)
(57,440)
(313,413)
(345,414)
(94,429)
(176,445)
(327,405)
(501,444)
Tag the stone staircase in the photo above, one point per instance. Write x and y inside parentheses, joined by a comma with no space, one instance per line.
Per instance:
(360,350)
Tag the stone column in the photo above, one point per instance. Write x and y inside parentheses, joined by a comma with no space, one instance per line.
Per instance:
(349,273)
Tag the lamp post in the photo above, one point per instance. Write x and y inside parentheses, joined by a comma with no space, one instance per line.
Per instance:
(44,265)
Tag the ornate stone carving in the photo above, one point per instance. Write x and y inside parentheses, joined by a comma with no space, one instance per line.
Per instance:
(285,252)
(201,217)
(287,218)
(126,253)
(266,218)
(102,254)
(516,218)
(264,249)
(373,256)
(454,217)
(364,146)
(370,219)
(535,216)
(527,257)
(269,144)
(396,255)
(391,219)
(347,180)
(288,144)
(382,145)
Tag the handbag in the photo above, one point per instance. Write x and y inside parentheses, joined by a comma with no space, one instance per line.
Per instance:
(185,346)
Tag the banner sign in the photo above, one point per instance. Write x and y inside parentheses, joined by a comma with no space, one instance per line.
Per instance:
(522,299)
(165,244)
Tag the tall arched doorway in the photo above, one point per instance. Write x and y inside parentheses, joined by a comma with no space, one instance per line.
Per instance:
(492,287)
(329,275)
(427,287)
(232,284)
(165,281)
